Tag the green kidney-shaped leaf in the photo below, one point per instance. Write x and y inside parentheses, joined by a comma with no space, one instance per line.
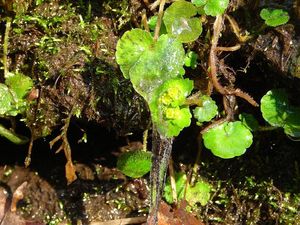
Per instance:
(207,111)
(274,17)
(6,100)
(134,164)
(292,125)
(228,140)
(274,107)
(130,47)
(156,65)
(215,7)
(178,21)
(276,111)
(249,121)
(20,84)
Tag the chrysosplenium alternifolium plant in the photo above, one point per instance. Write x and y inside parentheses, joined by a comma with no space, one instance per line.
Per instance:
(156,69)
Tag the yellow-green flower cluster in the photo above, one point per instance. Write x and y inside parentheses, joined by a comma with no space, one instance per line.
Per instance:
(169,112)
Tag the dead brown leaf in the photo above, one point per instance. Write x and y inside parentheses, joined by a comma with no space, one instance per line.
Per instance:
(178,216)
(70,172)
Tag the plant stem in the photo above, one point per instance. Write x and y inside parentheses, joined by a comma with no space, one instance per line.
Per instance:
(267,128)
(212,55)
(196,166)
(16,139)
(161,150)
(5,46)
(172,180)
(144,21)
(194,99)
(213,61)
(145,137)
(159,19)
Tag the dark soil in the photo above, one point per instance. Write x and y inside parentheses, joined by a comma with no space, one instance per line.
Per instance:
(100,193)
(263,182)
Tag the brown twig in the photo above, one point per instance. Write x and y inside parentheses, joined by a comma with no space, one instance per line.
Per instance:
(144,21)
(238,92)
(159,19)
(194,99)
(213,59)
(214,124)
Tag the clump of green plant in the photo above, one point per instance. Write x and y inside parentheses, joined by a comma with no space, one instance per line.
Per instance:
(198,193)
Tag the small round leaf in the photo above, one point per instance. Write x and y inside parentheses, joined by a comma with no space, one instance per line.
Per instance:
(179,22)
(130,47)
(152,22)
(20,84)
(228,140)
(274,17)
(207,111)
(134,164)
(215,7)
(274,106)
(276,111)
(249,121)
(292,125)
(180,180)
(156,65)
(6,100)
